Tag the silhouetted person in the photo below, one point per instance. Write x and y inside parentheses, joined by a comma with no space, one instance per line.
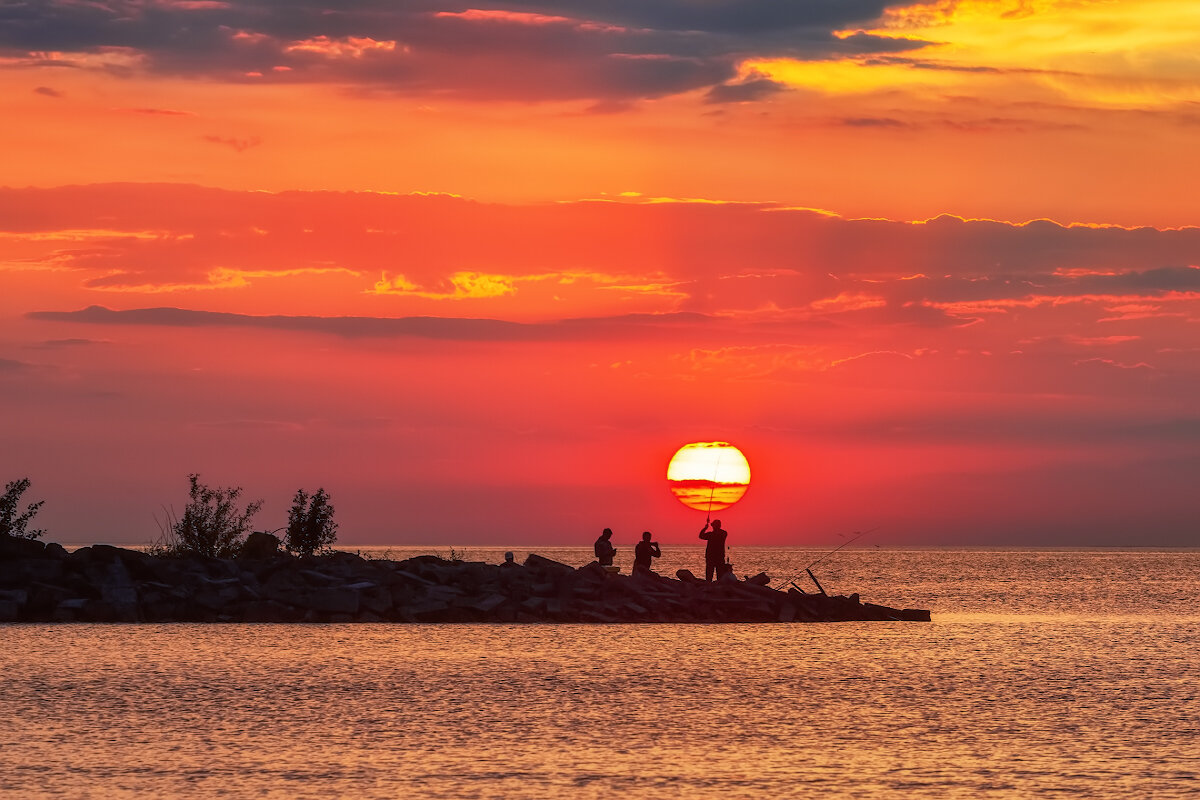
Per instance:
(714,552)
(604,549)
(645,552)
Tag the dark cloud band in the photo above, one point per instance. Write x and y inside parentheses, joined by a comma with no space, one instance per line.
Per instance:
(554,50)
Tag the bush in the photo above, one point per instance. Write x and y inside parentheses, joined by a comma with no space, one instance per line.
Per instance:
(10,523)
(310,527)
(211,524)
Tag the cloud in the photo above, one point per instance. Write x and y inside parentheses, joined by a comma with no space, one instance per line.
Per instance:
(551,50)
(72,342)
(440,328)
(8,365)
(747,91)
(159,112)
(240,145)
(754,260)
(873,122)
(46,91)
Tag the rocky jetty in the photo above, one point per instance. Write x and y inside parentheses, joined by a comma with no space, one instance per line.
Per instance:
(44,583)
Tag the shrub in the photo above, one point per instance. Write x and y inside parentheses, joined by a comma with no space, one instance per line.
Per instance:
(211,524)
(10,523)
(310,527)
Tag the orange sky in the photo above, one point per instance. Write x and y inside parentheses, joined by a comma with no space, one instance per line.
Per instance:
(480,270)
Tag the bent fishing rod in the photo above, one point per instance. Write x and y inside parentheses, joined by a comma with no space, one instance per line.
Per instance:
(808,569)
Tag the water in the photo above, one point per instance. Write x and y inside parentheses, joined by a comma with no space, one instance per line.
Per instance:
(1045,674)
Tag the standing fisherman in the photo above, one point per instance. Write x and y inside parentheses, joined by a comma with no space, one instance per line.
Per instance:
(714,552)
(604,548)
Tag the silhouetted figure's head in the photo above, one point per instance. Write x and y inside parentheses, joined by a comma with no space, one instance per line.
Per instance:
(716,523)
(607,534)
(646,536)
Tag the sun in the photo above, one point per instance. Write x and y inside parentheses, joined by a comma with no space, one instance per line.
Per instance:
(708,476)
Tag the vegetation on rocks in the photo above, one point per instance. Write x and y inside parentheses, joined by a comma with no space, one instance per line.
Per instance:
(211,524)
(12,523)
(310,528)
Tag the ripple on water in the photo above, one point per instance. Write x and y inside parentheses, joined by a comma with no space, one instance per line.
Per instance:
(1068,700)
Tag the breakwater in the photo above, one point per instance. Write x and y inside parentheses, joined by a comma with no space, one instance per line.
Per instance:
(44,583)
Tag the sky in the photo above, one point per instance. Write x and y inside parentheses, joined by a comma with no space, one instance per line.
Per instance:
(480,269)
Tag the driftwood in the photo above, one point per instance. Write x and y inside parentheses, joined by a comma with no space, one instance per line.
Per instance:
(45,583)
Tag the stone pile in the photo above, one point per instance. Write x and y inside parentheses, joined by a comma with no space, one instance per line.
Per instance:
(44,583)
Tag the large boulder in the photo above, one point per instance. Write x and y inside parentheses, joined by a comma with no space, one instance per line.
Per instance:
(19,547)
(118,594)
(534,561)
(331,600)
(259,545)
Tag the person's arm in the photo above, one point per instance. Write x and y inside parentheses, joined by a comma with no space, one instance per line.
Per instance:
(657,550)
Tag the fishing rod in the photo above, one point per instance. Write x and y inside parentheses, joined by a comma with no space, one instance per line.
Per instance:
(858,535)
(713,490)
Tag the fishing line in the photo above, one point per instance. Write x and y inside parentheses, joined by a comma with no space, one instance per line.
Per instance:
(855,538)
(849,541)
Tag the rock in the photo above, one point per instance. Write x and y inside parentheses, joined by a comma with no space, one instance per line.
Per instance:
(596,615)
(412,577)
(82,555)
(489,603)
(761,579)
(109,575)
(259,545)
(331,600)
(283,587)
(318,578)
(424,610)
(9,611)
(98,611)
(534,605)
(635,609)
(686,576)
(44,598)
(45,570)
(17,596)
(373,598)
(105,553)
(444,594)
(592,571)
(68,610)
(215,594)
(269,611)
(915,615)
(20,547)
(534,561)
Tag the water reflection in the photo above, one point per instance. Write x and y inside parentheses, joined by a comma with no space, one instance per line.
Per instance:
(1097,701)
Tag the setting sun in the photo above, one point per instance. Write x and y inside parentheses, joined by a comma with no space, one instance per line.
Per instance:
(708,476)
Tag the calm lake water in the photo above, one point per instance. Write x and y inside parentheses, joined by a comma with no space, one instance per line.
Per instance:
(1046,673)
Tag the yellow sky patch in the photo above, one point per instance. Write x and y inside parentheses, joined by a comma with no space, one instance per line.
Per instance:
(1108,54)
